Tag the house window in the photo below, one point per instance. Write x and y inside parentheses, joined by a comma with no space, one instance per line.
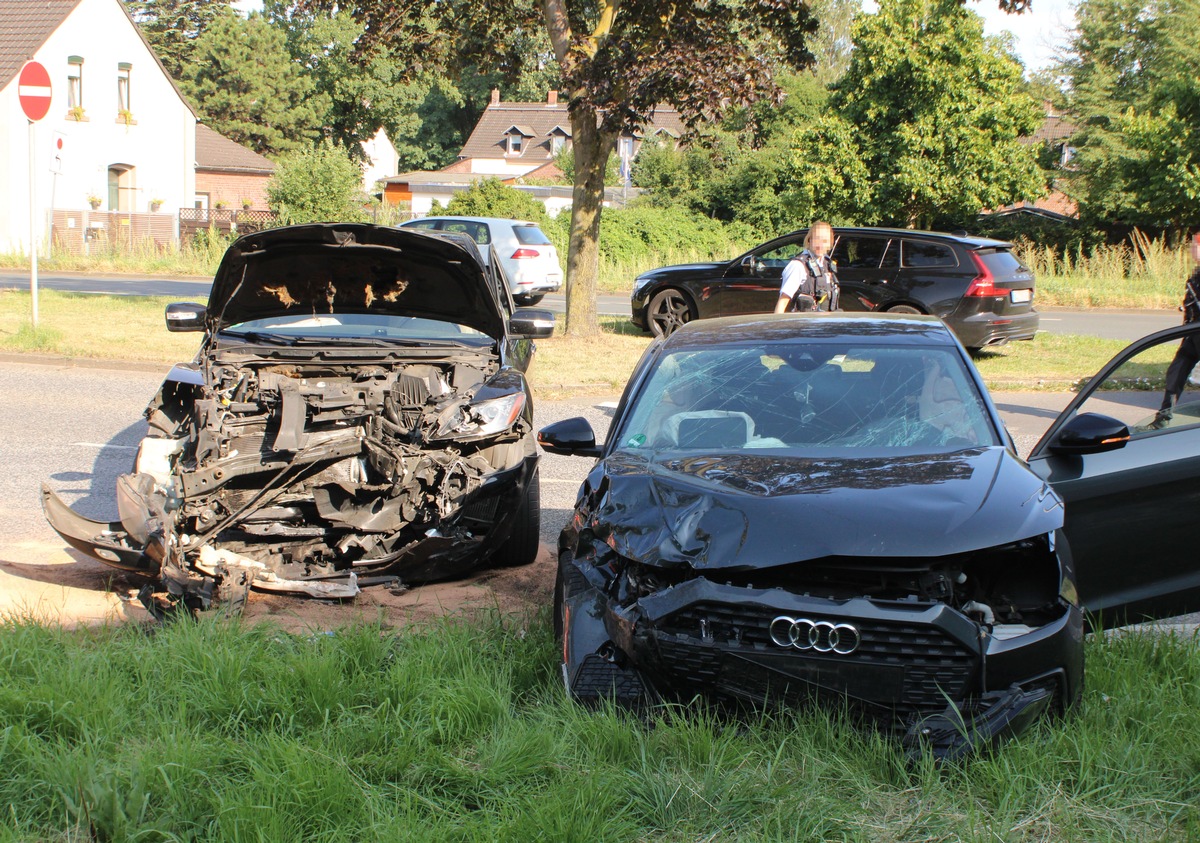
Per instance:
(120,187)
(74,82)
(557,142)
(514,143)
(123,106)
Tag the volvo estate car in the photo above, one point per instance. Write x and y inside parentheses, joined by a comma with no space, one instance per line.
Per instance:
(977,285)
(357,413)
(827,509)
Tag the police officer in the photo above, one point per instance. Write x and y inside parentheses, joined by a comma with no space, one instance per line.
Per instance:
(1189,348)
(810,278)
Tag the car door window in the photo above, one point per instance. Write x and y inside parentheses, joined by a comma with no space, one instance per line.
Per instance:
(424,225)
(1133,392)
(477,231)
(777,257)
(859,252)
(917,254)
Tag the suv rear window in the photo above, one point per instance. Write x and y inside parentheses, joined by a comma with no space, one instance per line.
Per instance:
(918,254)
(530,235)
(1002,262)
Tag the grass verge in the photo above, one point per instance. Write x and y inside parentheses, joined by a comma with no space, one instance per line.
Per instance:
(131,328)
(215,731)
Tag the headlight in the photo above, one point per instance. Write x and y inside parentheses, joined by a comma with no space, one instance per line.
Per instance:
(485,417)
(640,281)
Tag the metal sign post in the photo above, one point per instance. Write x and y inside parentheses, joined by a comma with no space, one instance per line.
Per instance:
(34,91)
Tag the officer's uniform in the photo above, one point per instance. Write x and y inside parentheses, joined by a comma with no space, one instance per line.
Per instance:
(810,283)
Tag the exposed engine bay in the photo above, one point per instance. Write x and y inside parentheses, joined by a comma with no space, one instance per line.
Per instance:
(314,476)
(358,413)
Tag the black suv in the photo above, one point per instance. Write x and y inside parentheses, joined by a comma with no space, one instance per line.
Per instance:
(976,285)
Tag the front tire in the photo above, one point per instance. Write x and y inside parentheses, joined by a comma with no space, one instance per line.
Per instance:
(905,308)
(669,310)
(521,548)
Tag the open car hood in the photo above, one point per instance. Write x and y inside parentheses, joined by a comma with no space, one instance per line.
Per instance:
(353,268)
(751,511)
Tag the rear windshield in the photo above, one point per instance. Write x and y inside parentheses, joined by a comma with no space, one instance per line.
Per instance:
(530,235)
(1002,263)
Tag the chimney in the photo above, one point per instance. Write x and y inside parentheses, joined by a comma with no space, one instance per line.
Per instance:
(495,96)
(552,98)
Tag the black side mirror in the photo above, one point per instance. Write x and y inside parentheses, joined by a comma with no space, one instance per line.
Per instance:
(1090,433)
(185,316)
(531,322)
(750,265)
(570,437)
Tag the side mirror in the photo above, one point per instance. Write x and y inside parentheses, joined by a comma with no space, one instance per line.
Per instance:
(569,437)
(185,316)
(532,323)
(750,265)
(1090,433)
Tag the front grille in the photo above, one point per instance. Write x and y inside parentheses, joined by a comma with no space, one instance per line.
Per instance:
(907,667)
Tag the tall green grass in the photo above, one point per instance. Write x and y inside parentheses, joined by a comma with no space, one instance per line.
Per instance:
(214,731)
(1139,272)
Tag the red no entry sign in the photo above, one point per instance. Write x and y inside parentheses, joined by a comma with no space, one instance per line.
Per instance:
(33,88)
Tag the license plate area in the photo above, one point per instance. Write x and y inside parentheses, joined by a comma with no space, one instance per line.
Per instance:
(1021,296)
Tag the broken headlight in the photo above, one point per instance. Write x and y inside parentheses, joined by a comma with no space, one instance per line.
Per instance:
(484,418)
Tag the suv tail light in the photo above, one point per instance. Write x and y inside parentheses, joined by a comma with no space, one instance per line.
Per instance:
(983,284)
(525,253)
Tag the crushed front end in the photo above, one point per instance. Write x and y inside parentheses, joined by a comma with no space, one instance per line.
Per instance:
(950,651)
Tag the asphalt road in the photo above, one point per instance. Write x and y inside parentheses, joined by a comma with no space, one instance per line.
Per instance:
(1124,325)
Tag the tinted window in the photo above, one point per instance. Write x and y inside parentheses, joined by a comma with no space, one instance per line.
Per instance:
(477,231)
(859,252)
(921,254)
(425,225)
(530,235)
(1002,263)
(808,397)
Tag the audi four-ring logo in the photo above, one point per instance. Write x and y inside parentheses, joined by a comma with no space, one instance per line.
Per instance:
(819,636)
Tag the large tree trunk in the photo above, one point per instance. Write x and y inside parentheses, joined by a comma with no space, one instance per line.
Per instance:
(592,148)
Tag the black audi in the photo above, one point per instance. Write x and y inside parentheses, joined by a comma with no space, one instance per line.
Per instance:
(827,508)
(977,285)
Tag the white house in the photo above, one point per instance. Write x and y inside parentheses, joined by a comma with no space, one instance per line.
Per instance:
(379,160)
(119,137)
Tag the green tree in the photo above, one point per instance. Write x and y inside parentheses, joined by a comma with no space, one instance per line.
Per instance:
(172,27)
(493,198)
(935,114)
(247,87)
(320,184)
(1135,92)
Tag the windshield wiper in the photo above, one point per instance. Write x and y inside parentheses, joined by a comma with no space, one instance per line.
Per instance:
(261,336)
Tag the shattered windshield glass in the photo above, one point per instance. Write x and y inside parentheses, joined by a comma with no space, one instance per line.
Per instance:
(809,396)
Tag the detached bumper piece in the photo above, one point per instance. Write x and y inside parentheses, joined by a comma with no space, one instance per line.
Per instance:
(956,734)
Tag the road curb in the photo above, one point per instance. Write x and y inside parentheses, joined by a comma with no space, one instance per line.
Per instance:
(62,361)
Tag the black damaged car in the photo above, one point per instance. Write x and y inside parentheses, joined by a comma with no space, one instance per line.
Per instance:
(357,413)
(827,508)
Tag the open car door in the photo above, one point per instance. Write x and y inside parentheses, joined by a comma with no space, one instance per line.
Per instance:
(1131,486)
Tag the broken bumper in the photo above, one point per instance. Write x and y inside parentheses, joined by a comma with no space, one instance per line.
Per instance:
(924,664)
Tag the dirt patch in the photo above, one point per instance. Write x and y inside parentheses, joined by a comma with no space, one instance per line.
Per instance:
(55,585)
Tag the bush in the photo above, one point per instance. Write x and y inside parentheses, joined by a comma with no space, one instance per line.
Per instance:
(317,185)
(638,231)
(493,198)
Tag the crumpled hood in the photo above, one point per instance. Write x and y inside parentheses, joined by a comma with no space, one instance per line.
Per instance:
(748,511)
(353,268)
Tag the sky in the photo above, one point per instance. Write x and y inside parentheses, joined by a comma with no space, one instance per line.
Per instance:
(1038,32)
(1045,27)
